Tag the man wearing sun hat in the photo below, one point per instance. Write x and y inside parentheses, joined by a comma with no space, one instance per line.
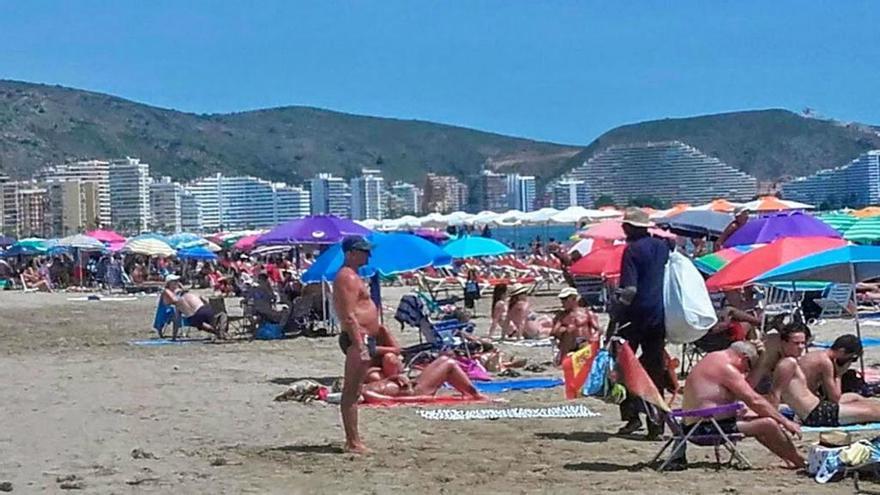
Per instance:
(574,326)
(640,308)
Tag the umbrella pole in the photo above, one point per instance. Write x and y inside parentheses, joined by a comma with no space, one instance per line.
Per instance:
(852,277)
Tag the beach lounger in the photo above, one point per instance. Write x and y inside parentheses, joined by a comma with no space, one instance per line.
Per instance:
(837,301)
(717,439)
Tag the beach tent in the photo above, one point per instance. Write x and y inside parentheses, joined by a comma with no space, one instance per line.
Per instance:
(778,225)
(772,203)
(315,229)
(475,247)
(391,254)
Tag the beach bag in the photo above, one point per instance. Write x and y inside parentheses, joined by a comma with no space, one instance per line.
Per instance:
(689,311)
(269,331)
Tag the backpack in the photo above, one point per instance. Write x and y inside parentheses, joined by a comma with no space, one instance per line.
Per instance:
(686,303)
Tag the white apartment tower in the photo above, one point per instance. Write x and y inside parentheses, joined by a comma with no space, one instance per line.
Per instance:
(130,195)
(165,205)
(330,195)
(367,198)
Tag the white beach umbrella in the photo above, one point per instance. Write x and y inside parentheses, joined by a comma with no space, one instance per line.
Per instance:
(484,217)
(458,218)
(81,241)
(433,220)
(149,247)
(540,216)
(509,217)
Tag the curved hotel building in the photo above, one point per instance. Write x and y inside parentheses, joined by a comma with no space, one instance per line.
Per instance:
(855,184)
(671,171)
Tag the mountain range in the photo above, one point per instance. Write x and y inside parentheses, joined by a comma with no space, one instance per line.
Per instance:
(42,125)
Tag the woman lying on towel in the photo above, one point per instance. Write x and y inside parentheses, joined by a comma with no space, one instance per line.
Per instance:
(378,389)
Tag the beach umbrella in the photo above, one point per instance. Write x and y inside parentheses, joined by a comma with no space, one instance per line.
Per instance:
(246,243)
(30,246)
(509,218)
(196,253)
(697,222)
(314,229)
(719,205)
(675,210)
(774,226)
(474,247)
(369,223)
(83,242)
(864,231)
(870,211)
(844,265)
(433,235)
(152,236)
(148,246)
(406,222)
(740,272)
(838,221)
(612,230)
(712,262)
(458,218)
(433,220)
(391,254)
(772,203)
(540,216)
(185,240)
(603,262)
(106,236)
(575,214)
(6,241)
(484,217)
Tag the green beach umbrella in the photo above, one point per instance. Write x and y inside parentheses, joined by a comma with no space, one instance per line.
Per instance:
(840,222)
(864,231)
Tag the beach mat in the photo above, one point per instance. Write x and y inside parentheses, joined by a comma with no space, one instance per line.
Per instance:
(499,386)
(554,412)
(860,427)
(866,342)
(161,342)
(103,298)
(437,400)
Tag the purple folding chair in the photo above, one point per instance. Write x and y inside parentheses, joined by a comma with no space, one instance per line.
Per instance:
(681,435)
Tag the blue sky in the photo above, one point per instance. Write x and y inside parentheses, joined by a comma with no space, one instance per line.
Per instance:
(552,70)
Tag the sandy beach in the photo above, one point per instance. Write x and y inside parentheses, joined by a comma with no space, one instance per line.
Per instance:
(83,405)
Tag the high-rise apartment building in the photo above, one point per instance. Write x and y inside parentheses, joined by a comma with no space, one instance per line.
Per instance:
(367,195)
(206,192)
(165,206)
(190,213)
(521,192)
(95,171)
(73,207)
(403,198)
(290,202)
(444,194)
(492,192)
(25,208)
(853,185)
(569,192)
(130,195)
(669,171)
(330,195)
(229,203)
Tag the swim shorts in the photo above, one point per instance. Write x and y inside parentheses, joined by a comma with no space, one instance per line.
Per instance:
(204,315)
(728,426)
(825,414)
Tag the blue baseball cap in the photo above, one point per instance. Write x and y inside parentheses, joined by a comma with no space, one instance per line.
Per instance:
(356,243)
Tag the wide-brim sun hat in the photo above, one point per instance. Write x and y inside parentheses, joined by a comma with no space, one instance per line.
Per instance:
(519,289)
(637,218)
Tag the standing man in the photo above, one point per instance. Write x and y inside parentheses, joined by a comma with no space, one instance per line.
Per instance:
(741,218)
(640,310)
(365,342)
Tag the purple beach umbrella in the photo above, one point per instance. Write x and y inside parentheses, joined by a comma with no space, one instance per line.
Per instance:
(6,241)
(315,229)
(768,228)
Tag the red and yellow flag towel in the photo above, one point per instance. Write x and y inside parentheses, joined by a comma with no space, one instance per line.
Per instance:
(576,368)
(636,378)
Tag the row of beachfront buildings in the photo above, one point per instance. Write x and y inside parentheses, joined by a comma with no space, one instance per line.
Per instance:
(79,195)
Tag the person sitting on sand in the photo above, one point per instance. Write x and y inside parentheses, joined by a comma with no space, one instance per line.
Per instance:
(33,280)
(191,307)
(824,368)
(574,326)
(442,370)
(720,379)
(522,322)
(790,386)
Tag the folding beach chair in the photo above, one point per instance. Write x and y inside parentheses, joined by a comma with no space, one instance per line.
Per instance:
(836,301)
(592,291)
(435,339)
(710,416)
(242,325)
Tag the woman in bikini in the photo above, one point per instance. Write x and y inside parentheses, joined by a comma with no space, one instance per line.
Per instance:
(442,370)
(522,322)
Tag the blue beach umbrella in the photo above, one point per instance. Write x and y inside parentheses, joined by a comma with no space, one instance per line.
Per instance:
(186,240)
(391,254)
(475,247)
(196,253)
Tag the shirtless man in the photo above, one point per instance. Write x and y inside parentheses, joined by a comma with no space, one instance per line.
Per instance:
(365,342)
(823,368)
(790,386)
(574,326)
(442,370)
(190,306)
(720,379)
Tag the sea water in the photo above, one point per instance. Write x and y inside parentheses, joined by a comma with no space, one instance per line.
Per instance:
(520,237)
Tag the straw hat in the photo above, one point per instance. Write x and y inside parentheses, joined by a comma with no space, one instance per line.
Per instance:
(636,217)
(518,289)
(567,292)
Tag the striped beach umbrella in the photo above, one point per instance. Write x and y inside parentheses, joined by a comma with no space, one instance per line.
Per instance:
(865,231)
(711,263)
(870,211)
(839,221)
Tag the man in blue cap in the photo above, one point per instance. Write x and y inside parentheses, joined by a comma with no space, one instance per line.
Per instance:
(365,342)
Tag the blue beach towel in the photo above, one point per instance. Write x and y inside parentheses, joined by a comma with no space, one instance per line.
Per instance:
(499,386)
(866,342)
(159,342)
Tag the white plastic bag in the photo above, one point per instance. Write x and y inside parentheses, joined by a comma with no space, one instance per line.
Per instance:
(689,310)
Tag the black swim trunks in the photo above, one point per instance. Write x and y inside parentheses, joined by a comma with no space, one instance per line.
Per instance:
(728,426)
(825,414)
(204,315)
